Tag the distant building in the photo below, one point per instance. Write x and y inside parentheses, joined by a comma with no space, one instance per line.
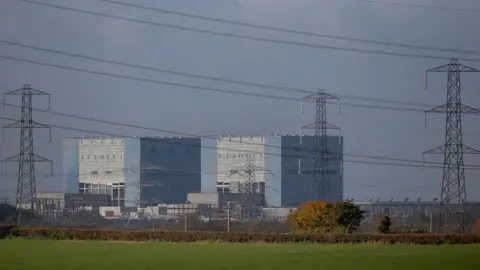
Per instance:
(283,176)
(50,201)
(152,171)
(131,170)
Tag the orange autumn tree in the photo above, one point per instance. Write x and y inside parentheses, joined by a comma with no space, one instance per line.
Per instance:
(323,217)
(313,217)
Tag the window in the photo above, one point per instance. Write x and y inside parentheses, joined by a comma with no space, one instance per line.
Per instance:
(82,156)
(102,156)
(106,156)
(94,172)
(108,172)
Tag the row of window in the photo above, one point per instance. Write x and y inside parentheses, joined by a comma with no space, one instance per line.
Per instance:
(106,172)
(238,139)
(115,193)
(238,155)
(101,157)
(101,141)
(98,185)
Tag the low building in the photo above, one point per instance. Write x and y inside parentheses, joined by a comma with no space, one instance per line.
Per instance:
(50,201)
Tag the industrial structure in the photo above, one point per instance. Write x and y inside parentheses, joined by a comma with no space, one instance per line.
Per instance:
(321,156)
(453,193)
(26,158)
(155,171)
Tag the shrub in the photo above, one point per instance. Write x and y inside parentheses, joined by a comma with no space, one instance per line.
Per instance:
(384,225)
(175,236)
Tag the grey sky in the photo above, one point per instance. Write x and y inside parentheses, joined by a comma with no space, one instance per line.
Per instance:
(369,132)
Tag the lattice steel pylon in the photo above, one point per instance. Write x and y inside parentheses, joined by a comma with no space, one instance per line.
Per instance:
(321,186)
(26,185)
(248,172)
(453,194)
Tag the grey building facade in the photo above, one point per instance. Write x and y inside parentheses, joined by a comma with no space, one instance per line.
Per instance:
(292,180)
(148,171)
(170,169)
(133,171)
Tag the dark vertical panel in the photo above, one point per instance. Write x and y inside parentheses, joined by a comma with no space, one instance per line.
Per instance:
(178,162)
(296,187)
(70,165)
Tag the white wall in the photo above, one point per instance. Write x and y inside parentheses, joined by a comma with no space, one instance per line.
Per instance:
(232,152)
(103,156)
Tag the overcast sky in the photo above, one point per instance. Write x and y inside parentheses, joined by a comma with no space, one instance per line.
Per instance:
(367,131)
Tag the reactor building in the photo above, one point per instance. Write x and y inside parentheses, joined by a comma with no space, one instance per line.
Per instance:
(147,171)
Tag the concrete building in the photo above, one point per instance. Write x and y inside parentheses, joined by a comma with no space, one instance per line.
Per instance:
(283,176)
(156,171)
(145,170)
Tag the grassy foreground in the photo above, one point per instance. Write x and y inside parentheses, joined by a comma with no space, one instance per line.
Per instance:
(65,255)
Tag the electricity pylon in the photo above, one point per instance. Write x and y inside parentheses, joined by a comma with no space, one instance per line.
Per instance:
(26,184)
(321,187)
(454,192)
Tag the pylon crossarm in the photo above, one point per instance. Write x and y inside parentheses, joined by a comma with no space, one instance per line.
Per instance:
(233,172)
(313,126)
(469,150)
(443,68)
(315,96)
(464,68)
(19,92)
(469,110)
(436,150)
(459,67)
(309,126)
(439,109)
(330,126)
(18,124)
(14,158)
(453,109)
(312,96)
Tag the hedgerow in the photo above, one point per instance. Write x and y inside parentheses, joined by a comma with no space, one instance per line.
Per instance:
(235,237)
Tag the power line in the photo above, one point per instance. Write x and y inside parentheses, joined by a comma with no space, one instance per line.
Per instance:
(420,6)
(255,38)
(246,151)
(205,137)
(197,76)
(189,86)
(285,30)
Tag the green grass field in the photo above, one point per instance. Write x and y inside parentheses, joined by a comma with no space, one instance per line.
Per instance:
(53,255)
